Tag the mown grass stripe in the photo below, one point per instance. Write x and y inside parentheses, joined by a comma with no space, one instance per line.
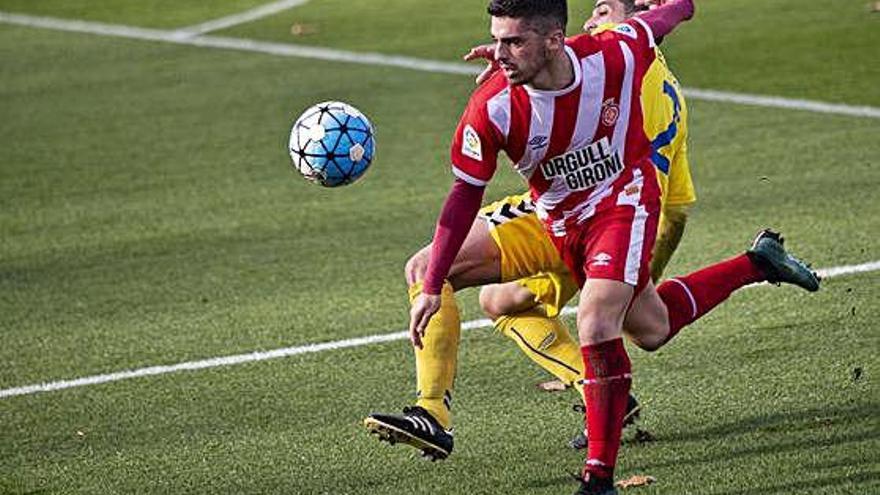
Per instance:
(186,37)
(251,15)
(306,349)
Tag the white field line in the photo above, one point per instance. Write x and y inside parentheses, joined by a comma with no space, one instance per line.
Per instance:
(823,273)
(182,37)
(305,349)
(240,18)
(280,49)
(777,102)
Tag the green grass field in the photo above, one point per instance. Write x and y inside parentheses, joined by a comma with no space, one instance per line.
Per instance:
(148,215)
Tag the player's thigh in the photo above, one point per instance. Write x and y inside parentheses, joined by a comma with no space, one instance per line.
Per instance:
(524,247)
(647,322)
(614,254)
(477,262)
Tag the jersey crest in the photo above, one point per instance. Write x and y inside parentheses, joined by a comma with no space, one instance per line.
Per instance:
(610,112)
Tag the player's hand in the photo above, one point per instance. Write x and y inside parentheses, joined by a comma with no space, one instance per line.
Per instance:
(486,52)
(423,308)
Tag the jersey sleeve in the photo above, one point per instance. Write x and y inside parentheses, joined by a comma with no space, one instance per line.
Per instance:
(637,34)
(475,146)
(681,185)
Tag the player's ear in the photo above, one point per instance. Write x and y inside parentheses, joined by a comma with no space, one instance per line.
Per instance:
(555,39)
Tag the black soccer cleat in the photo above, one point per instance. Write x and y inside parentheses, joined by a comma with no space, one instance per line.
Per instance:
(596,486)
(779,266)
(415,427)
(633,410)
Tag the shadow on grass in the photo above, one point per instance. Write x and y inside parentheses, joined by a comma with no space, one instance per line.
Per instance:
(566,481)
(824,485)
(840,420)
(783,422)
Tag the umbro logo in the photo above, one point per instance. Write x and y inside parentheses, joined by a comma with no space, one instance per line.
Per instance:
(601,259)
(538,142)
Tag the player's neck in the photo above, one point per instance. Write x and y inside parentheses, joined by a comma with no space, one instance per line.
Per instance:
(558,74)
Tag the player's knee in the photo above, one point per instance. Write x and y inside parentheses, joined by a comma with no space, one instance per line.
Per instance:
(594,328)
(508,298)
(650,342)
(491,303)
(656,337)
(416,266)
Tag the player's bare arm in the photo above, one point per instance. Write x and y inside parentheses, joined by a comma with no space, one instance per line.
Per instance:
(669,234)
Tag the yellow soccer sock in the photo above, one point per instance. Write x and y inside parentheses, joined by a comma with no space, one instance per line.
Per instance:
(437,360)
(547,342)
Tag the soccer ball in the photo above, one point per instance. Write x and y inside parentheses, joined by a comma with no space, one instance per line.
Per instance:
(332,144)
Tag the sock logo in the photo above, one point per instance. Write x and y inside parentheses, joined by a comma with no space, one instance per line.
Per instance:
(547,341)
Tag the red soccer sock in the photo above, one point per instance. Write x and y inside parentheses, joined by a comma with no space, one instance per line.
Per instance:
(690,297)
(607,379)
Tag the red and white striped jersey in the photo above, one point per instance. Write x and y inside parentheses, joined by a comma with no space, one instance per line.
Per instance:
(576,146)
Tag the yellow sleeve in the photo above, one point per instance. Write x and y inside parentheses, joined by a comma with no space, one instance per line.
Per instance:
(665,121)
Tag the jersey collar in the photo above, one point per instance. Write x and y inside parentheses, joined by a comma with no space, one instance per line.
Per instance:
(576,66)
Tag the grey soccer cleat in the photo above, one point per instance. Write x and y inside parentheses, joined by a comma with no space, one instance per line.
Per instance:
(778,265)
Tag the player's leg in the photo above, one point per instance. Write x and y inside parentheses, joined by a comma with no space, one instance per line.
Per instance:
(537,285)
(477,263)
(497,300)
(656,316)
(543,339)
(669,233)
(520,309)
(427,425)
(607,370)
(613,252)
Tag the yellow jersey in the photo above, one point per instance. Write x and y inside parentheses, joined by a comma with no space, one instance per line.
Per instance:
(665,119)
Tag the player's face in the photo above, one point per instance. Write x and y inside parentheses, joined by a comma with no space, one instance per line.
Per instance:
(520,51)
(606,11)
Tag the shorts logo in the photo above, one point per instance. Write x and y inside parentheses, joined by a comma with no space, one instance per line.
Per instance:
(601,259)
(471,145)
(610,112)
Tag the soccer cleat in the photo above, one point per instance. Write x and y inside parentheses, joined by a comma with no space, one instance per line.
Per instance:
(633,410)
(416,427)
(593,485)
(778,265)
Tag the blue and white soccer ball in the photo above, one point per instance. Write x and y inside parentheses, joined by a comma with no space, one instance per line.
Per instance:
(332,144)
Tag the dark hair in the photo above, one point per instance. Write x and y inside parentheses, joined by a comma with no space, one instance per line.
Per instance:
(542,15)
